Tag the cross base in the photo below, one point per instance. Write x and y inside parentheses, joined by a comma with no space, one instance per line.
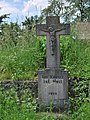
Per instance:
(53,89)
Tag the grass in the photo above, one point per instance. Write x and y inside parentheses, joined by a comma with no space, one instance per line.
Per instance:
(75,57)
(22,54)
(21,62)
(24,108)
(17,63)
(83,112)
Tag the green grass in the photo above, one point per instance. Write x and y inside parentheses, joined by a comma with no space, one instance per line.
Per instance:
(24,108)
(75,56)
(23,62)
(83,113)
(18,63)
(22,54)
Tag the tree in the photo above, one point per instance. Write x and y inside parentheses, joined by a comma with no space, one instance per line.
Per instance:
(11,33)
(3,17)
(55,8)
(1,20)
(79,9)
(69,10)
(30,21)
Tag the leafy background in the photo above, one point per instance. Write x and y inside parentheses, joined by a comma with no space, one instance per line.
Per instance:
(22,54)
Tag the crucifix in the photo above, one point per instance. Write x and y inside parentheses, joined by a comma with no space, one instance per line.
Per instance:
(52,30)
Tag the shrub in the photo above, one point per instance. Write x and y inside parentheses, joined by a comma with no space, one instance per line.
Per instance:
(83,113)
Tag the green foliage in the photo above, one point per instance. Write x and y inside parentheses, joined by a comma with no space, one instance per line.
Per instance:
(83,113)
(13,108)
(80,9)
(3,17)
(30,22)
(21,53)
(75,56)
(69,10)
(78,95)
(54,8)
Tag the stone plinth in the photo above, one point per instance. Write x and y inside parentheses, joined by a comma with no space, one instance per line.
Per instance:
(53,88)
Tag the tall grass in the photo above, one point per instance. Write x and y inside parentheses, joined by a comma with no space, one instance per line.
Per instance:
(21,53)
(13,107)
(75,56)
(25,108)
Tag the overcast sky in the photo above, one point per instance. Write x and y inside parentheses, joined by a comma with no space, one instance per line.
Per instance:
(21,8)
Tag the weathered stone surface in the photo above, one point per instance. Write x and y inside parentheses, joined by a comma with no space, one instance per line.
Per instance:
(53,82)
(53,87)
(83,30)
(53,29)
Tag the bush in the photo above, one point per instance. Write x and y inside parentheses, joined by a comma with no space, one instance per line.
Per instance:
(75,57)
(83,113)
(13,107)
(22,54)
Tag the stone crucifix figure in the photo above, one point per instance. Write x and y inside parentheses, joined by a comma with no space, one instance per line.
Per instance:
(52,30)
(52,34)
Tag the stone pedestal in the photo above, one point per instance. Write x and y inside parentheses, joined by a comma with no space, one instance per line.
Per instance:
(53,82)
(53,88)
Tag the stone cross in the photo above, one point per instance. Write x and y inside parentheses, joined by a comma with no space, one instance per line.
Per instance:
(52,30)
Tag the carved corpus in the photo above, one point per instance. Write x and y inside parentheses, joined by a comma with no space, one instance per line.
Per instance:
(52,30)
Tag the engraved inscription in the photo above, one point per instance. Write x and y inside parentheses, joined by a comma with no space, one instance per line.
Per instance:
(54,80)
(46,81)
(52,87)
(57,80)
(52,93)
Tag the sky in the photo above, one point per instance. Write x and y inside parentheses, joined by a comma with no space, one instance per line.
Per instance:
(21,8)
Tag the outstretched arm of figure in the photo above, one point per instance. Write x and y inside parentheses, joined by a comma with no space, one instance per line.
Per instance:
(45,30)
(58,30)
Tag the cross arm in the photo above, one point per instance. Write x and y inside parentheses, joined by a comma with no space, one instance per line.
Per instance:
(64,29)
(40,29)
